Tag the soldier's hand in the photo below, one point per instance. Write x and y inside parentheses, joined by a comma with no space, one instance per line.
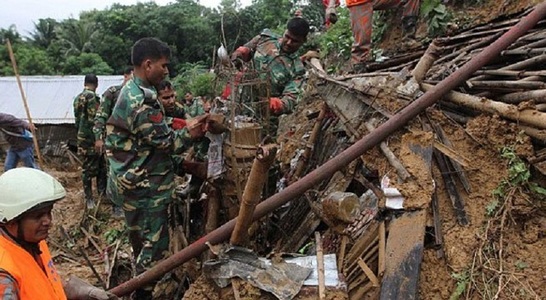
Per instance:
(30,127)
(310,54)
(197,126)
(99,146)
(276,105)
(215,124)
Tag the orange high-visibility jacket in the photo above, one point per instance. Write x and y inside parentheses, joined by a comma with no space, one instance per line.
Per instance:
(355,2)
(33,282)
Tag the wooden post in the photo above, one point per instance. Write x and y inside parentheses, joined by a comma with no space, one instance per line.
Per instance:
(320,266)
(25,104)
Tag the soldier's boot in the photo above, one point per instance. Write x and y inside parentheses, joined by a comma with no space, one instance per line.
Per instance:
(88,194)
(117,212)
(101,184)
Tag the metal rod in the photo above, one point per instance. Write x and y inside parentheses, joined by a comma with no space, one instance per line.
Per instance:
(343,159)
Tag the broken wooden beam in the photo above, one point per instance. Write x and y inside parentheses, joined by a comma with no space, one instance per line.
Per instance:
(391,158)
(438,235)
(310,145)
(404,254)
(457,165)
(425,63)
(451,188)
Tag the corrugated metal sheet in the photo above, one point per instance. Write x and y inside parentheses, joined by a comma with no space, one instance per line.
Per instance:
(49,97)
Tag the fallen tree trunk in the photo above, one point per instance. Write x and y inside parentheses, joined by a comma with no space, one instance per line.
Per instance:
(528,116)
(355,151)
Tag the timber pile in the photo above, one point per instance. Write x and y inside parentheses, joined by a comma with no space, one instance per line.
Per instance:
(380,251)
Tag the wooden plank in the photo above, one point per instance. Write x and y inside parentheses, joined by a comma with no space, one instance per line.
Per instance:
(368,272)
(454,162)
(438,236)
(449,152)
(451,189)
(320,266)
(382,237)
(404,254)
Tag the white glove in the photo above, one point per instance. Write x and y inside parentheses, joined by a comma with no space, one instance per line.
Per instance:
(77,289)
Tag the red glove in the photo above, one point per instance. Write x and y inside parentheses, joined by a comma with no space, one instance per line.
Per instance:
(178,123)
(241,52)
(276,105)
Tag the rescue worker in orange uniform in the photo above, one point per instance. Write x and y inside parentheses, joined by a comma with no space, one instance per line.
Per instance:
(361,12)
(27,271)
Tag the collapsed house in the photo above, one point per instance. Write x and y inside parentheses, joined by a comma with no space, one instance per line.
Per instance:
(392,214)
(442,204)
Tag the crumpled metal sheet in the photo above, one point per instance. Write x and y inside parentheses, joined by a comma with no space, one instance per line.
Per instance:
(282,279)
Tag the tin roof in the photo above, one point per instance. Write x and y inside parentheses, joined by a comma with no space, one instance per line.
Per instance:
(49,98)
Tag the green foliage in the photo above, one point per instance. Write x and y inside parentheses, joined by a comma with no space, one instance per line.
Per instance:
(463,279)
(380,25)
(521,265)
(190,29)
(30,60)
(337,41)
(45,32)
(195,78)
(436,15)
(112,235)
(86,63)
(519,175)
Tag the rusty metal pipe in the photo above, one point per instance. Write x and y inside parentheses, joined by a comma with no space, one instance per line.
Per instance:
(330,167)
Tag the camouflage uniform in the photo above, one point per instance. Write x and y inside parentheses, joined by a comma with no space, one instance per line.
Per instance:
(139,147)
(285,72)
(201,145)
(104,111)
(194,109)
(85,108)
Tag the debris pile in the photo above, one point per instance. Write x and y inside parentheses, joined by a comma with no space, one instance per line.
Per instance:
(450,205)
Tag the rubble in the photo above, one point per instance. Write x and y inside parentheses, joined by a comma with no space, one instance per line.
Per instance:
(415,214)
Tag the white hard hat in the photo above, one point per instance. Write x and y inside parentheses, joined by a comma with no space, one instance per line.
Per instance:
(23,188)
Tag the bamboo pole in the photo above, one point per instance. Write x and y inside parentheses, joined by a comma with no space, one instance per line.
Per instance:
(25,104)
(529,116)
(253,189)
(320,266)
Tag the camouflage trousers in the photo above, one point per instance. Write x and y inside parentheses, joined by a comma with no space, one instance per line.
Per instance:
(361,23)
(93,166)
(148,234)
(201,148)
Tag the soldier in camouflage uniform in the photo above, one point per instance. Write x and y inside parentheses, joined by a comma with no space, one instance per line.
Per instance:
(108,100)
(139,147)
(276,56)
(167,95)
(193,106)
(85,107)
